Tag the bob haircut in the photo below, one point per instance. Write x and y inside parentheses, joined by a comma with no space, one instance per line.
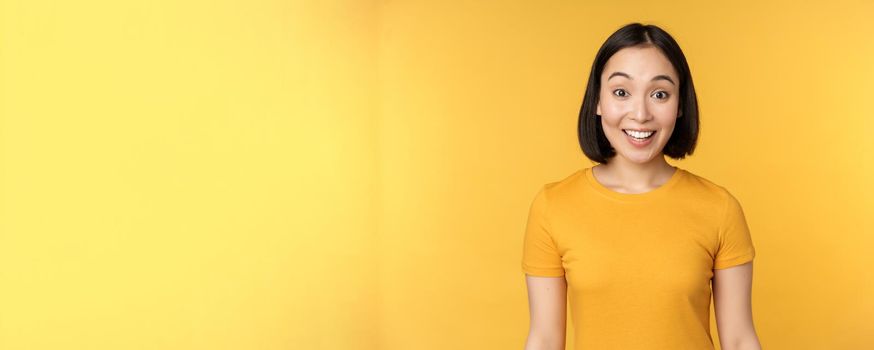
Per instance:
(590,133)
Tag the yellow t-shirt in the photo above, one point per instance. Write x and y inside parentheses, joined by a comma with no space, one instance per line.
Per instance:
(638,266)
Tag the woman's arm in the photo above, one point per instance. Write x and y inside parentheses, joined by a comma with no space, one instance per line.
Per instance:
(732,289)
(547,305)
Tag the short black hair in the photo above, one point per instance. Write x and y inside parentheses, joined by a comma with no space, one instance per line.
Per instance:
(591,135)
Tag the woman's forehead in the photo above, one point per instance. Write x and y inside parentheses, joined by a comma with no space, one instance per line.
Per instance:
(638,64)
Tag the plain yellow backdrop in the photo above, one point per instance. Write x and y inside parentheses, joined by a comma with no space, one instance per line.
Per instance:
(356,174)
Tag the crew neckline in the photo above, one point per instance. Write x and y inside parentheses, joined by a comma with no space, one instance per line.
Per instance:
(635,197)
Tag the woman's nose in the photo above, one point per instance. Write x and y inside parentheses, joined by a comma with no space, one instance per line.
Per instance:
(641,111)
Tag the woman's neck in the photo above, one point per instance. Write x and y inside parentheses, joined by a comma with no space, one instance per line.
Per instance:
(629,177)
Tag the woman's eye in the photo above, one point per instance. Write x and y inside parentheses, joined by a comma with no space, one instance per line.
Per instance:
(665,94)
(622,93)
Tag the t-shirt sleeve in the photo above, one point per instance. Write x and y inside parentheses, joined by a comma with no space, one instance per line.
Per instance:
(735,243)
(540,256)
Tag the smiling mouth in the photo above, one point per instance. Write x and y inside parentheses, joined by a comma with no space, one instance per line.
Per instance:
(639,135)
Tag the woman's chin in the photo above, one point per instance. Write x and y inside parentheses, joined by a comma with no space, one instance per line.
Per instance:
(638,158)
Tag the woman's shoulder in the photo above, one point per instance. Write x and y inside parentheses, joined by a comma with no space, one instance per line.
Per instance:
(565,182)
(704,186)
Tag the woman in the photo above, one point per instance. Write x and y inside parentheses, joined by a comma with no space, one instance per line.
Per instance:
(634,243)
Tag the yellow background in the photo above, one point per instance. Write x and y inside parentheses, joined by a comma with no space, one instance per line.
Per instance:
(356,174)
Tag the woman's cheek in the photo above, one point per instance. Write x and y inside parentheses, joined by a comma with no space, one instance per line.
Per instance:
(616,109)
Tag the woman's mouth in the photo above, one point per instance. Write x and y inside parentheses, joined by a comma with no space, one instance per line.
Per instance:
(639,138)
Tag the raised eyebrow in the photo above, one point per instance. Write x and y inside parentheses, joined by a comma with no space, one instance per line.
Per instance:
(657,77)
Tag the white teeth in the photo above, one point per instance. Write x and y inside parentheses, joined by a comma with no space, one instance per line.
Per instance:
(639,134)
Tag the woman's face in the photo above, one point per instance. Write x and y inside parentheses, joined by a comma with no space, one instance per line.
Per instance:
(639,91)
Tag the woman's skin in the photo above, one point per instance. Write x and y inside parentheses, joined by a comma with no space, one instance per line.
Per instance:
(642,99)
(639,91)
